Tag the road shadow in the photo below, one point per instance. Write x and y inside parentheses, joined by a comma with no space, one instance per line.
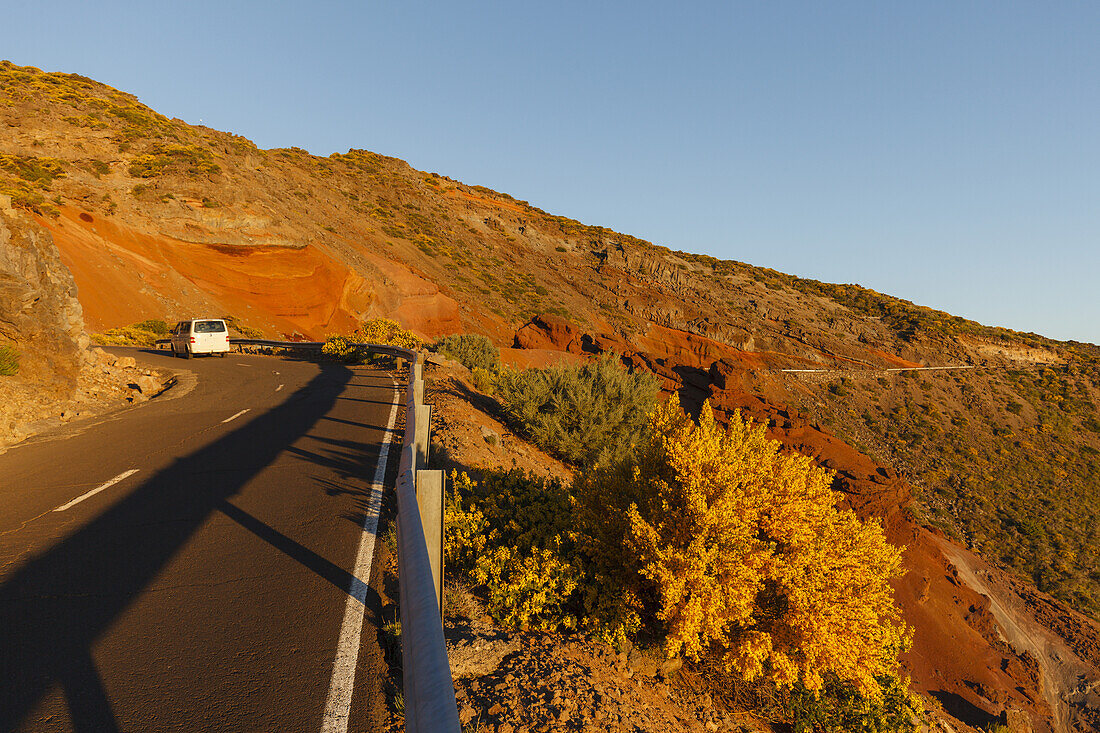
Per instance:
(55,607)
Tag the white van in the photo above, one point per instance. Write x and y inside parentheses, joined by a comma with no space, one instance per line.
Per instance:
(200,336)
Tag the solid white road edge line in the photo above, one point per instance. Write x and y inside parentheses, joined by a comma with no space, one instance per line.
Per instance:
(338,703)
(96,490)
(230,419)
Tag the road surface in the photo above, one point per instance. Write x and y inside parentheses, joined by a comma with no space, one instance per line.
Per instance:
(189,564)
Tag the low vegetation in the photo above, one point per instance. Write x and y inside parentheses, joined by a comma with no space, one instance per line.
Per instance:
(386,331)
(187,160)
(472,351)
(711,540)
(1006,460)
(9,361)
(590,413)
(375,331)
(26,179)
(340,348)
(145,333)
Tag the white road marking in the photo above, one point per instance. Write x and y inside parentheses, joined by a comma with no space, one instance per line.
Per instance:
(96,490)
(230,419)
(338,703)
(278,388)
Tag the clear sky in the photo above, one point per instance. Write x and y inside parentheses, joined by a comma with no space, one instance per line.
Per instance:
(944,152)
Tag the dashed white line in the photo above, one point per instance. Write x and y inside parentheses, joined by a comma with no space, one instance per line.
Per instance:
(234,417)
(279,387)
(338,703)
(96,490)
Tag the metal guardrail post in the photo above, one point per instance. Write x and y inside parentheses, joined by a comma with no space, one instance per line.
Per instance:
(429,497)
(423,434)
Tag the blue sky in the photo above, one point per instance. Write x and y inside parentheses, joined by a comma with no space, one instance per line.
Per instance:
(943,152)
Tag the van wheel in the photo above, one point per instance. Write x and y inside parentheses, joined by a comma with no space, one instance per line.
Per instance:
(223,354)
(187,353)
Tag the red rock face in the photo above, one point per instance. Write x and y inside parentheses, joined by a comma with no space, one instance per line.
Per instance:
(125,275)
(548,331)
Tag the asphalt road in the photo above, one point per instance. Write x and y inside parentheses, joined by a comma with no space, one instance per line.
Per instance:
(207,587)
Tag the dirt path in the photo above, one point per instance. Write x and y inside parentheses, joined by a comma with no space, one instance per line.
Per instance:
(1066,679)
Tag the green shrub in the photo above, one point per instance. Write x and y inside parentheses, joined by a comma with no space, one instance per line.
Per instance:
(484,380)
(842,707)
(9,361)
(186,159)
(247,332)
(472,350)
(39,171)
(589,413)
(160,328)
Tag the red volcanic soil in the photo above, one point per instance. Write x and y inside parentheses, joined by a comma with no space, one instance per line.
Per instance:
(125,275)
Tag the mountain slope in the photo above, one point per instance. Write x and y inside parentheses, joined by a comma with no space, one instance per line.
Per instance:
(159,219)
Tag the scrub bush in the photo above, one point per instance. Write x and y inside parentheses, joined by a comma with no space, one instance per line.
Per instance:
(590,413)
(9,361)
(512,534)
(727,546)
(471,350)
(158,327)
(340,349)
(145,333)
(842,707)
(385,331)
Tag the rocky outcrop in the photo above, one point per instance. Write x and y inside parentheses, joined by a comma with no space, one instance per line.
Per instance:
(39,312)
(40,319)
(59,377)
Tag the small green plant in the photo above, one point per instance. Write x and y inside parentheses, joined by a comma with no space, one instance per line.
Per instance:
(185,159)
(160,328)
(484,380)
(9,361)
(472,350)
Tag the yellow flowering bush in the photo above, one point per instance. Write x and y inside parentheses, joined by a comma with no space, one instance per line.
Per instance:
(739,549)
(714,538)
(339,348)
(386,331)
(511,533)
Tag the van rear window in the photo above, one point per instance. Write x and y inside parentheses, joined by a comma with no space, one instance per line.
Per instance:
(209,327)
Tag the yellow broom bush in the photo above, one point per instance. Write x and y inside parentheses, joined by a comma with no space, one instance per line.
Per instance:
(739,550)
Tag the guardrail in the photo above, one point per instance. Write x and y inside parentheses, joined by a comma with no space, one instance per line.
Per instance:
(429,690)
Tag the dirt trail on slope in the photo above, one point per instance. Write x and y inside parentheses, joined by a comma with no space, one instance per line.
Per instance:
(1069,684)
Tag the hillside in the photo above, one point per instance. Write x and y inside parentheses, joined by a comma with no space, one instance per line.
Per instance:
(156,218)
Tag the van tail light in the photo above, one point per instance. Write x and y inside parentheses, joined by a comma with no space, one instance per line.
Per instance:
(192,339)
